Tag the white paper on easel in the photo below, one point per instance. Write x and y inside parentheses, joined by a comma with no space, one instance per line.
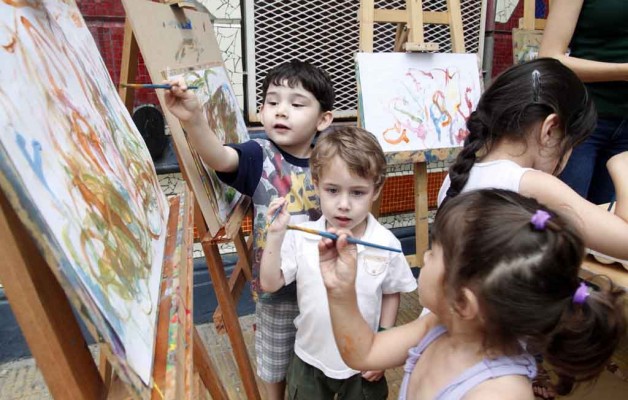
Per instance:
(72,154)
(413,101)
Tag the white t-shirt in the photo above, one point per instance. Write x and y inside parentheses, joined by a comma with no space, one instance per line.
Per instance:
(499,174)
(379,272)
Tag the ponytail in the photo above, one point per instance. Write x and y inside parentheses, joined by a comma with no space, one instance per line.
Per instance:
(586,336)
(477,139)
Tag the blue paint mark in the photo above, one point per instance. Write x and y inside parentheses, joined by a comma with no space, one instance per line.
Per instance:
(186,25)
(35,160)
(437,120)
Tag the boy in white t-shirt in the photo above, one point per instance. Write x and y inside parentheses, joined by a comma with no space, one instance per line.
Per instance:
(348,169)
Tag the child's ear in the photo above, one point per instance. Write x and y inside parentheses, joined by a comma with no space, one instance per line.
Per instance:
(377,193)
(469,307)
(324,120)
(260,114)
(550,133)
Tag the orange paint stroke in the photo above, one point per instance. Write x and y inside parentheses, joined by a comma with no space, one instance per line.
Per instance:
(10,47)
(403,137)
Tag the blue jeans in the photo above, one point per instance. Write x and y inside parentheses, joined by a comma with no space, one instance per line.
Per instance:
(586,171)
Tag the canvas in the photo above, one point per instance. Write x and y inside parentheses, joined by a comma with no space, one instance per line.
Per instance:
(79,174)
(525,45)
(415,102)
(225,120)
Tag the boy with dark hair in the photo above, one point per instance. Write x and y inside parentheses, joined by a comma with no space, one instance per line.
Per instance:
(297,102)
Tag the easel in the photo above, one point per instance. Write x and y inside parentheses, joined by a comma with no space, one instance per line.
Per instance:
(529,20)
(227,292)
(43,312)
(409,37)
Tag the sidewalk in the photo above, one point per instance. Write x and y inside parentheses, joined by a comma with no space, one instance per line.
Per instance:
(22,380)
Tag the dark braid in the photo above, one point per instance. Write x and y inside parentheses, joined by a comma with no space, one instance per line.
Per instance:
(478,138)
(518,101)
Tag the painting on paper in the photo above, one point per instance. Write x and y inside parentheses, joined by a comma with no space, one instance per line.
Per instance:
(224,116)
(413,102)
(72,159)
(525,44)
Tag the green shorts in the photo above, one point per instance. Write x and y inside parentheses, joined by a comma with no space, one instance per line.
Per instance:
(308,382)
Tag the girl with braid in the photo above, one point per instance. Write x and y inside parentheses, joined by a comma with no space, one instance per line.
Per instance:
(502,282)
(520,137)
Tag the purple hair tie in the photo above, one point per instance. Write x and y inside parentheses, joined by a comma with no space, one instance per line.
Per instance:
(539,219)
(581,294)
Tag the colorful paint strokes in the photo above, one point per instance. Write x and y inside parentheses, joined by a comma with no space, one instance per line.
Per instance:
(71,154)
(416,102)
(525,45)
(225,120)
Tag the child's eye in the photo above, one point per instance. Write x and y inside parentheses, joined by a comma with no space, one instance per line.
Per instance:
(357,193)
(271,102)
(298,105)
(332,190)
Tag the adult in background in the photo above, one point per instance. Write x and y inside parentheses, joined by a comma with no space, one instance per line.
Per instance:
(596,33)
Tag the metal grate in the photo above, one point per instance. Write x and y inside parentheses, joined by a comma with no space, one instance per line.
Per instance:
(326,33)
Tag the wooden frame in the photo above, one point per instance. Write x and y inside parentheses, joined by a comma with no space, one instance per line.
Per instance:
(227,291)
(529,20)
(52,332)
(412,39)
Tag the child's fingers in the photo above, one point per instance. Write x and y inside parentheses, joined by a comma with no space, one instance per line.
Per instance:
(343,234)
(324,247)
(274,205)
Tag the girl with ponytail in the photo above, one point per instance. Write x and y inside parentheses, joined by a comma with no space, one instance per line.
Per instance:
(502,282)
(520,136)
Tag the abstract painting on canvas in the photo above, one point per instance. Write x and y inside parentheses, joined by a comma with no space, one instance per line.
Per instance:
(413,101)
(73,161)
(225,120)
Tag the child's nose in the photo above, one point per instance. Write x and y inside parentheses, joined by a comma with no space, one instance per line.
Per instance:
(281,110)
(343,202)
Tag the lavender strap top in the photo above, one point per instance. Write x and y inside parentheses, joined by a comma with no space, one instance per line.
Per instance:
(523,364)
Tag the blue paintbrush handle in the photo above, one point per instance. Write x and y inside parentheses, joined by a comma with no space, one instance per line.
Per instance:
(358,241)
(152,86)
(377,246)
(274,217)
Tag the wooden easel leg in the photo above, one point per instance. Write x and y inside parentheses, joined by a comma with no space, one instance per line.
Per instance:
(367,15)
(401,37)
(236,280)
(244,254)
(128,69)
(44,314)
(206,370)
(455,26)
(232,325)
(420,211)
(104,366)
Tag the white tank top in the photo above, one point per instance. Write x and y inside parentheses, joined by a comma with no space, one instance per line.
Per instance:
(499,174)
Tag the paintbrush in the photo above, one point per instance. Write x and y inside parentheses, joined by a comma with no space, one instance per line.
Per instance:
(610,205)
(272,219)
(350,239)
(151,86)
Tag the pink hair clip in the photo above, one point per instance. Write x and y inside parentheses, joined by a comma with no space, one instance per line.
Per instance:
(581,294)
(539,219)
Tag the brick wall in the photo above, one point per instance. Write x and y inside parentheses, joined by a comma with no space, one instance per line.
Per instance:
(105,20)
(502,53)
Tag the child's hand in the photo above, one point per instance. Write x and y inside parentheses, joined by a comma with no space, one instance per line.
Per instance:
(373,376)
(277,216)
(182,102)
(338,262)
